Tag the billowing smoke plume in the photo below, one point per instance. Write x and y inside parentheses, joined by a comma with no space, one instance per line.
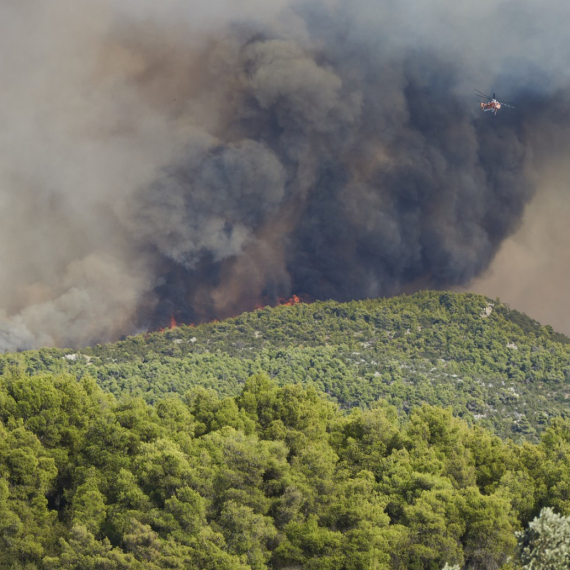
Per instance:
(168,158)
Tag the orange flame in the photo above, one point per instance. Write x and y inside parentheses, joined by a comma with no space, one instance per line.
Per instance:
(281,302)
(294,300)
(173,325)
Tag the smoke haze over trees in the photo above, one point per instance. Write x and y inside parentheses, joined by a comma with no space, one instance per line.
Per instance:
(194,161)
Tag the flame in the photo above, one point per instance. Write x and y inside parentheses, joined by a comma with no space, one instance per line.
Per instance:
(173,324)
(294,300)
(281,302)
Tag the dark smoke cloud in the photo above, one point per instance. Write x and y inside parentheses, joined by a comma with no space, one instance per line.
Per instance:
(190,160)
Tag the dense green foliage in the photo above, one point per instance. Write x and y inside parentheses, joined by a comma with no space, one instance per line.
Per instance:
(276,477)
(491,364)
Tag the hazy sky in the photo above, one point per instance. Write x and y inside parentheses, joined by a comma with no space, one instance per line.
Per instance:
(531,272)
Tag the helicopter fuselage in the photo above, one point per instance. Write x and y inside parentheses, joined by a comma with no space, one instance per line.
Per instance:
(493,105)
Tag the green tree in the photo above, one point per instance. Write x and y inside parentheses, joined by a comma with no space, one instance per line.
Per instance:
(83,551)
(89,508)
(247,533)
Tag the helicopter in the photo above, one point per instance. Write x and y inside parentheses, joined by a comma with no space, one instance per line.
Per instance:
(491,103)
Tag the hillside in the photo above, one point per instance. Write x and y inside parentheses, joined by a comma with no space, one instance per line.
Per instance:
(491,364)
(273,479)
(261,474)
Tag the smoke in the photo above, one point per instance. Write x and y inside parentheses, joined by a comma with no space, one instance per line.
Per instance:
(531,271)
(185,159)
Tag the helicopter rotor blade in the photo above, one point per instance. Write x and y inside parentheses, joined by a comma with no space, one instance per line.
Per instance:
(482,94)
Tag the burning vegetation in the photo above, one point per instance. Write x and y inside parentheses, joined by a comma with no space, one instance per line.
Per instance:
(202,165)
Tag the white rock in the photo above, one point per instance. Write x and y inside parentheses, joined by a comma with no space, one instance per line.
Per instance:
(487,310)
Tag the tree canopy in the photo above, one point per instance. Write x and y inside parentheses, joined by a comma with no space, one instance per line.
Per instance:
(411,433)
(276,477)
(491,364)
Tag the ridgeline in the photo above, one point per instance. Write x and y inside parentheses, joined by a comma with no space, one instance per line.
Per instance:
(493,365)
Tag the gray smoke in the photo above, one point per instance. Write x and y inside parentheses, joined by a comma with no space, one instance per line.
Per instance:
(177,159)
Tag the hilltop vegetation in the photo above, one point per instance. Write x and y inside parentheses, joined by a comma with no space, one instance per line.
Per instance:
(275,478)
(492,365)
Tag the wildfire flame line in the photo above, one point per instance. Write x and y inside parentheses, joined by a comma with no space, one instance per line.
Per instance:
(281,302)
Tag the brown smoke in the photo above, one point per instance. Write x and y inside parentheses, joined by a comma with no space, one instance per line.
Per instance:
(178,158)
(532,269)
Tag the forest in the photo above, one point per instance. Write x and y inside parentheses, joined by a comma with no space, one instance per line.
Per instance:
(491,364)
(321,436)
(276,477)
